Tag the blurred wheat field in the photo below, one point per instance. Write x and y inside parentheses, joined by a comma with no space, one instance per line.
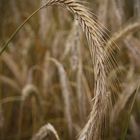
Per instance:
(72,71)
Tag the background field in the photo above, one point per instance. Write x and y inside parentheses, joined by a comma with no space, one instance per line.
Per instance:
(46,74)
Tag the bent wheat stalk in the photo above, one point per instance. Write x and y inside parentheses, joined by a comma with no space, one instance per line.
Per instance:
(66,92)
(101,62)
(45,131)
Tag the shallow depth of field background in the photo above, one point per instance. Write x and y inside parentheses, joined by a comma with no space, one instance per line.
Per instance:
(46,74)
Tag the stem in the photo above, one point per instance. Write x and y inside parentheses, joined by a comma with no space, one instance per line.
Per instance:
(5,46)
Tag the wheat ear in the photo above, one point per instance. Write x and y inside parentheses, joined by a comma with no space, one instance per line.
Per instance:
(102,101)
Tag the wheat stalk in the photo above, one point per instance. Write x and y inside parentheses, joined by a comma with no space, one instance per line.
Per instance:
(45,131)
(66,92)
(28,92)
